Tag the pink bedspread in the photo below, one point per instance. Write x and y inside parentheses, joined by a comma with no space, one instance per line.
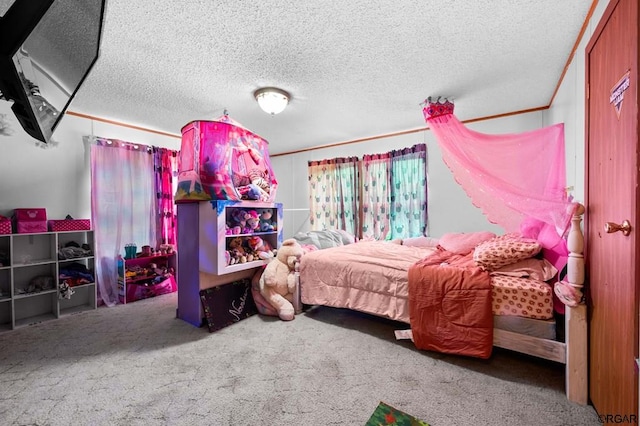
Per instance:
(368,276)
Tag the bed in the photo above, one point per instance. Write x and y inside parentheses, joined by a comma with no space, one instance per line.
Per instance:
(385,279)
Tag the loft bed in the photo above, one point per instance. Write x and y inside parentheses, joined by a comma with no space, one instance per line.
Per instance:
(330,277)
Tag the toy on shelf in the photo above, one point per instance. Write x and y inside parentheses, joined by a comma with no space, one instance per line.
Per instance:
(266,223)
(243,221)
(261,248)
(147,275)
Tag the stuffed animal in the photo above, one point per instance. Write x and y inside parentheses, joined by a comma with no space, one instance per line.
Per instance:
(253,221)
(250,192)
(239,218)
(236,251)
(277,283)
(260,247)
(66,291)
(265,220)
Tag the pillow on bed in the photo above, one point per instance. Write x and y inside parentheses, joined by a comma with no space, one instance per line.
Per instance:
(537,269)
(325,238)
(504,250)
(420,242)
(463,243)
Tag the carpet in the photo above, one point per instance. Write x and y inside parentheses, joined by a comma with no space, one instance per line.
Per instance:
(385,414)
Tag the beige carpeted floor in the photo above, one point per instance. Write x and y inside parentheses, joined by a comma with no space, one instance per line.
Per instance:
(136,364)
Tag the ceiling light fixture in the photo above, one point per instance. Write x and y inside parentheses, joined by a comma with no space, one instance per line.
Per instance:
(272,100)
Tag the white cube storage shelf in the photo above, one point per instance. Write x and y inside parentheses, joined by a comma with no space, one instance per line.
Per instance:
(24,257)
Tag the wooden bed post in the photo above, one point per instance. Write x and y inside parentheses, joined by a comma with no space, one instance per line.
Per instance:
(576,317)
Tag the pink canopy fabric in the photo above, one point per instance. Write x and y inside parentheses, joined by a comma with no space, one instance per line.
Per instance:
(517,180)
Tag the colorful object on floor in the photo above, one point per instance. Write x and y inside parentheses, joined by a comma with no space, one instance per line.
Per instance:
(222,160)
(385,414)
(226,304)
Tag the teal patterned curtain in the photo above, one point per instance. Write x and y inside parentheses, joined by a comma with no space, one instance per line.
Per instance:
(408,192)
(333,194)
(387,199)
(374,185)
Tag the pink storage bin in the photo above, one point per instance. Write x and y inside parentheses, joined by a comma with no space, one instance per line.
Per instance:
(5,225)
(139,291)
(70,225)
(27,221)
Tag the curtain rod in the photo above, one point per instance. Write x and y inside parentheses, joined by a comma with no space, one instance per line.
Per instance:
(405,132)
(331,145)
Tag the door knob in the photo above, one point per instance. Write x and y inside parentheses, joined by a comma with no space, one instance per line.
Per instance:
(612,227)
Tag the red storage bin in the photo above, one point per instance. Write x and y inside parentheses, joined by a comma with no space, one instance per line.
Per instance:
(5,225)
(70,225)
(28,221)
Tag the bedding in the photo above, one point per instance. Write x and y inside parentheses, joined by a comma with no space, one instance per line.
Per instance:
(504,250)
(463,243)
(368,276)
(450,305)
(325,238)
(456,302)
(524,297)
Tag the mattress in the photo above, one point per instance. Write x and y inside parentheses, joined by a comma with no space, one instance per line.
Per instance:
(544,329)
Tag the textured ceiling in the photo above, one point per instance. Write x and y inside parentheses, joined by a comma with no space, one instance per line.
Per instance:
(355,68)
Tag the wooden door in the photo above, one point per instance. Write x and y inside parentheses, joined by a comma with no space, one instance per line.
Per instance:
(612,196)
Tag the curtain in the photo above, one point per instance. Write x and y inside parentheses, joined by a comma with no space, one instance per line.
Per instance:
(408,197)
(333,194)
(517,180)
(383,196)
(123,206)
(374,187)
(165,170)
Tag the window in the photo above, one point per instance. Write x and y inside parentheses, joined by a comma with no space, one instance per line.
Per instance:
(381,196)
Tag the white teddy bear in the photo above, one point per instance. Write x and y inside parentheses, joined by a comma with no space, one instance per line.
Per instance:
(277,284)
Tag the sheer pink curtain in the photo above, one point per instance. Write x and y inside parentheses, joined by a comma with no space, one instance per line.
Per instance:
(123,207)
(517,180)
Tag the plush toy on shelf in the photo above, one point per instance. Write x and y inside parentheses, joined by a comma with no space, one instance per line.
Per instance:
(240,217)
(277,283)
(236,251)
(266,225)
(260,247)
(253,222)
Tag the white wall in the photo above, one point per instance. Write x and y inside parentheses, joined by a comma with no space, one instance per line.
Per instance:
(57,178)
(569,107)
(450,210)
